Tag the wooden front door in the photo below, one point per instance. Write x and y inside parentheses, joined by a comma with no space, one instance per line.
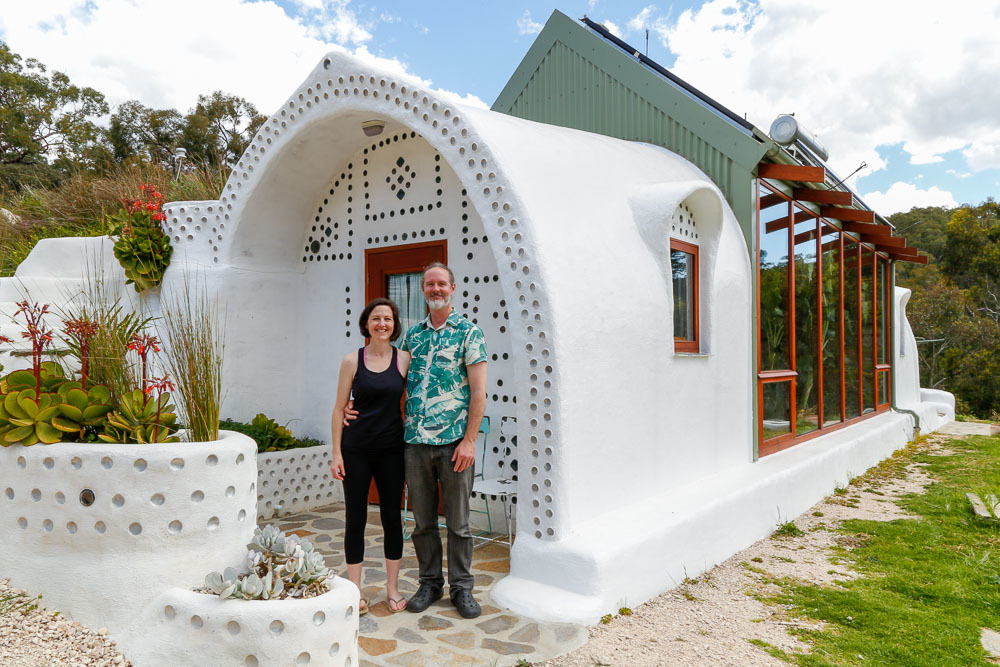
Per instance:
(395,273)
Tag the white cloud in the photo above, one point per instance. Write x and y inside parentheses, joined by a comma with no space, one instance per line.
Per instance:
(859,74)
(642,20)
(252,49)
(612,28)
(903,196)
(984,151)
(528,27)
(958,174)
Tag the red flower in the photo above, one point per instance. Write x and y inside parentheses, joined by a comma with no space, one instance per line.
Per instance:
(159,385)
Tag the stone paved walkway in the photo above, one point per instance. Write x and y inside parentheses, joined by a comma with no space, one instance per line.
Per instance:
(438,636)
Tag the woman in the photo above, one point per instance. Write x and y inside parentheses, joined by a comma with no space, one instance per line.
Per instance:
(372,447)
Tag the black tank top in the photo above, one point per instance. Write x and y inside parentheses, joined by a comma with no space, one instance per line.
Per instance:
(376,398)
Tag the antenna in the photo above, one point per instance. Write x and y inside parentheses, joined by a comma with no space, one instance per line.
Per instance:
(863,165)
(647,42)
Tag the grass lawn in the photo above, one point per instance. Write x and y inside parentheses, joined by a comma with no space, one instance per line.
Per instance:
(928,585)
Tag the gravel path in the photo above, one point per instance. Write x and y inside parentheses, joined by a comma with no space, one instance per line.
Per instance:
(41,638)
(711,620)
(706,621)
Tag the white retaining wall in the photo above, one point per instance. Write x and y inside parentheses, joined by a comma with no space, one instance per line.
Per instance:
(295,480)
(161,516)
(188,628)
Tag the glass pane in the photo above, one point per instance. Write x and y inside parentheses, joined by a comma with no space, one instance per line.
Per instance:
(777,411)
(883,387)
(806,329)
(852,372)
(883,311)
(868,329)
(831,328)
(405,290)
(682,264)
(774,287)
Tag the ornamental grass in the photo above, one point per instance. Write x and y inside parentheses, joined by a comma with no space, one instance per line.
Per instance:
(195,344)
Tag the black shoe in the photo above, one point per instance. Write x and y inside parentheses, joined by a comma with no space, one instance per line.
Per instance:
(466,604)
(425,596)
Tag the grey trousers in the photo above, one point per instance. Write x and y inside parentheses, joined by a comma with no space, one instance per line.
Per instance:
(426,465)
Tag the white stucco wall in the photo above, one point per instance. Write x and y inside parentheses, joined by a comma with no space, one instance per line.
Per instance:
(933,407)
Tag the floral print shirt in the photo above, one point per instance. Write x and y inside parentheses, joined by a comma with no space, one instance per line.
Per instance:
(437,386)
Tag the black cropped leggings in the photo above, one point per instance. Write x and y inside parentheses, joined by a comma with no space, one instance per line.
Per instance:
(386,467)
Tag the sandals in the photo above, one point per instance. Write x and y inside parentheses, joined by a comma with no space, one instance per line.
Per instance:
(400,604)
(363,607)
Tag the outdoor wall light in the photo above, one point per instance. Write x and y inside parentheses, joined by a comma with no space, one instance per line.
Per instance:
(373,128)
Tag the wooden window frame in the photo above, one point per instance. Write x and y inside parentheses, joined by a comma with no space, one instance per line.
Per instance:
(692,345)
(880,283)
(407,258)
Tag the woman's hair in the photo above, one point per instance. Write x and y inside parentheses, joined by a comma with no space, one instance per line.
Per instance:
(363,321)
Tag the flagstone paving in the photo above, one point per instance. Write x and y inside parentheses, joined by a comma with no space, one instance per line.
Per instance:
(438,636)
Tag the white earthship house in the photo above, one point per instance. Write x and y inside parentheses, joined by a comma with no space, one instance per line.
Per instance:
(635,463)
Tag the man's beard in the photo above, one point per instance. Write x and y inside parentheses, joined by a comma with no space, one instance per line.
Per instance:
(439,304)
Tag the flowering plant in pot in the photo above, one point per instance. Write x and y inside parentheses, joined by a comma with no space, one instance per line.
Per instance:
(141,247)
(41,404)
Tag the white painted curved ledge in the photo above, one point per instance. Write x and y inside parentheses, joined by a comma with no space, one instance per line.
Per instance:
(102,529)
(188,628)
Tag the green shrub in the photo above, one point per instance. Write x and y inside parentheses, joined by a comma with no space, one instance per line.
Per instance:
(269,435)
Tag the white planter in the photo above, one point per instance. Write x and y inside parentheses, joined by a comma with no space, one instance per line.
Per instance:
(188,628)
(100,530)
(295,480)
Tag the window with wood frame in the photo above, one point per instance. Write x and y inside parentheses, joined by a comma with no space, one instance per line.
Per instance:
(823,323)
(684,267)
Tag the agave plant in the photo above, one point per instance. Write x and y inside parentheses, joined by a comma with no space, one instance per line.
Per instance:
(141,419)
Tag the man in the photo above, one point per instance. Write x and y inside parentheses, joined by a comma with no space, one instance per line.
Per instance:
(445,402)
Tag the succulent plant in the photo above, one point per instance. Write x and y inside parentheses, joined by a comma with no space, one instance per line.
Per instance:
(141,419)
(268,538)
(144,256)
(51,375)
(280,566)
(82,412)
(26,418)
(142,248)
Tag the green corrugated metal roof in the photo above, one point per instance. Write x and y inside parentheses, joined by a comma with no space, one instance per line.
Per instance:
(573,77)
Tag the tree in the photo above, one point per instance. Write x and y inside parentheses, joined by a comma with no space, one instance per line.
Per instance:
(44,117)
(138,131)
(220,128)
(956,303)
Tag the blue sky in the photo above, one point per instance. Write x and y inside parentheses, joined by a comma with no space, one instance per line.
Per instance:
(907,87)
